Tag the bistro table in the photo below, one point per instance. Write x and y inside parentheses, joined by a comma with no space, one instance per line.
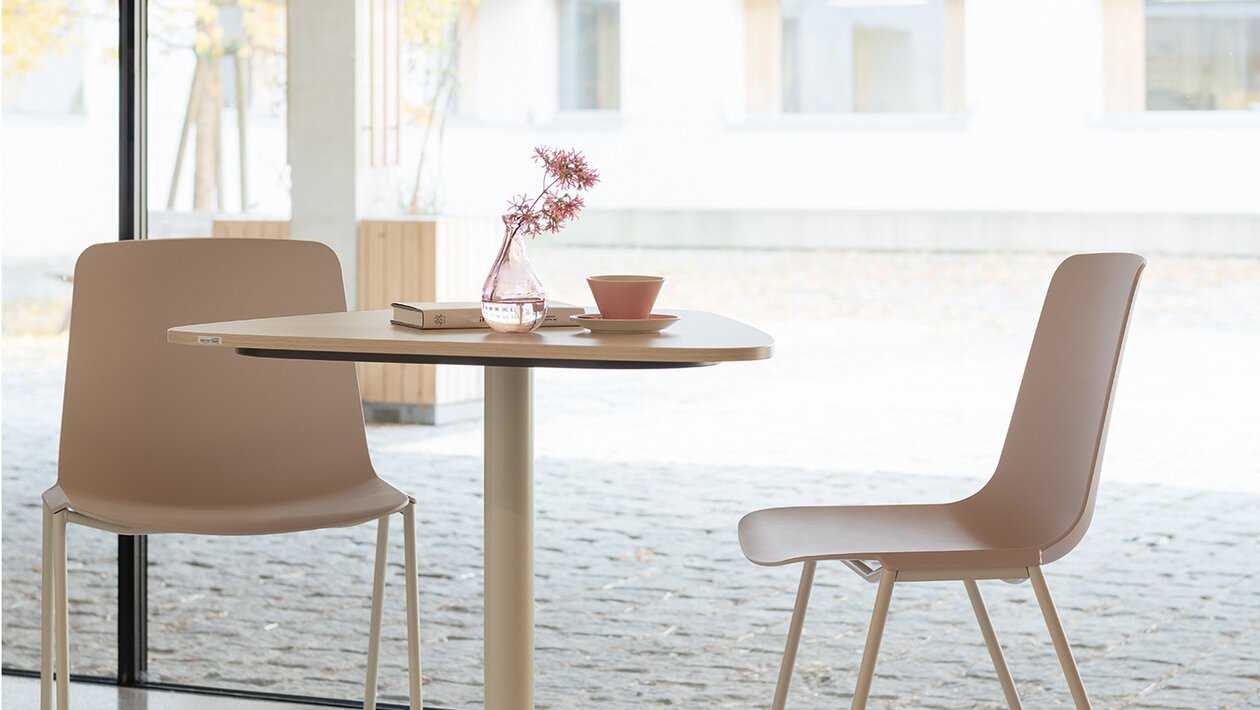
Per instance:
(698,338)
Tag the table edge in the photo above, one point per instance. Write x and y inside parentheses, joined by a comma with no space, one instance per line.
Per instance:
(398,350)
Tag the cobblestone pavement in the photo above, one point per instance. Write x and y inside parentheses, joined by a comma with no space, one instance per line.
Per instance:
(891,384)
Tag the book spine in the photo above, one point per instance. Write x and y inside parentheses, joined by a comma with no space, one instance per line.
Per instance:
(461,318)
(468,318)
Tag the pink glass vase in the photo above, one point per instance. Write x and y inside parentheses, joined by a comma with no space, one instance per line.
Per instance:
(513,299)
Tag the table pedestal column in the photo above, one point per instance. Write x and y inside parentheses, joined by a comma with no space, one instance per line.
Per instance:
(509,541)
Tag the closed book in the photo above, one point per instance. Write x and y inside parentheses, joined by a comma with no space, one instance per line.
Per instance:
(467,314)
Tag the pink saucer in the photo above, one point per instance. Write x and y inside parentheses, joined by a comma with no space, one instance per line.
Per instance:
(596,323)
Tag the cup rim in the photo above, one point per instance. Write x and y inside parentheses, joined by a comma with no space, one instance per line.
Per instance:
(625,278)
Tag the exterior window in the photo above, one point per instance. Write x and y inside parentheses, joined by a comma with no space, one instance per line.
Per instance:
(863,56)
(590,55)
(854,56)
(1202,56)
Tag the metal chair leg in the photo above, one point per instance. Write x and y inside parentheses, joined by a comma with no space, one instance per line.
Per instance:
(1061,646)
(995,649)
(378,596)
(794,635)
(413,606)
(61,626)
(47,603)
(883,598)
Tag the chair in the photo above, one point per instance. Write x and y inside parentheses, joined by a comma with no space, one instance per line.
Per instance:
(161,438)
(1033,511)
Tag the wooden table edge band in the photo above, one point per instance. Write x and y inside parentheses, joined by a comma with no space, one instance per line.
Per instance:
(463,353)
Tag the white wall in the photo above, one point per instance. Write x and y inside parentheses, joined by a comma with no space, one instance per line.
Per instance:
(1034,139)
(1034,153)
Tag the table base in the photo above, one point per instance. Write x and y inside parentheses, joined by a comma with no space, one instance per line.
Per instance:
(509,538)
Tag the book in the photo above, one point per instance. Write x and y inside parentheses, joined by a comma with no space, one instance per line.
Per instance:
(467,314)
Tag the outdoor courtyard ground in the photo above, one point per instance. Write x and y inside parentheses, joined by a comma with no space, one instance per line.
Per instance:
(892,381)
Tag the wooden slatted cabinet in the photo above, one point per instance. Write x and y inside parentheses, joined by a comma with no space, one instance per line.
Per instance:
(422,259)
(250,228)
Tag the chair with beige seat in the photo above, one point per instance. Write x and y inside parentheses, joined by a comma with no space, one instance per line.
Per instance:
(1033,511)
(160,438)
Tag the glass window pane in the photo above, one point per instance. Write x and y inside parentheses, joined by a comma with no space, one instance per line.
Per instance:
(863,56)
(432,42)
(60,195)
(1202,56)
(217,130)
(590,61)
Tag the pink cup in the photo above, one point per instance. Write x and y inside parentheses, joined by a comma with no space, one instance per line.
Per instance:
(625,297)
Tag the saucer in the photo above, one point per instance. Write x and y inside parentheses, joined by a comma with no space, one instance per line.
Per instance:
(596,323)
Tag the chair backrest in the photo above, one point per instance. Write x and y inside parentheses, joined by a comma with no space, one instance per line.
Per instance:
(151,422)
(1042,493)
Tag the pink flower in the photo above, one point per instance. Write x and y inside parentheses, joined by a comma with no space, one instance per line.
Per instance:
(563,171)
(567,167)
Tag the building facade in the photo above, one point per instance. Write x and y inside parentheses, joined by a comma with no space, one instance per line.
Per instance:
(954,124)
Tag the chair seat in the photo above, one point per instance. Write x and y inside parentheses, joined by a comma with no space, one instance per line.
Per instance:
(898,536)
(351,505)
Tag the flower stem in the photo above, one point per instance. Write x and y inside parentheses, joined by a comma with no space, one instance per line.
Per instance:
(546,189)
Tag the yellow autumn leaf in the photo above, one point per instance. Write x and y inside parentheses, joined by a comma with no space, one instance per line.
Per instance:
(207,13)
(33,30)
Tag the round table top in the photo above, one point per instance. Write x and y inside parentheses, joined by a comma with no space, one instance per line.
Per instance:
(698,338)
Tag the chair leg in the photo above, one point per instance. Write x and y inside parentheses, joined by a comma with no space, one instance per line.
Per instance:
(47,602)
(413,605)
(61,625)
(883,598)
(995,649)
(1060,639)
(378,595)
(794,635)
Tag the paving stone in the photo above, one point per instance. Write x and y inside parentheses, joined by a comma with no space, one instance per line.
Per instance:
(644,599)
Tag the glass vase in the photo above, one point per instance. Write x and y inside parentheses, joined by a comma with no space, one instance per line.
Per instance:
(513,299)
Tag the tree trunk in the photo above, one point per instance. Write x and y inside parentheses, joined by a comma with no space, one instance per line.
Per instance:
(205,183)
